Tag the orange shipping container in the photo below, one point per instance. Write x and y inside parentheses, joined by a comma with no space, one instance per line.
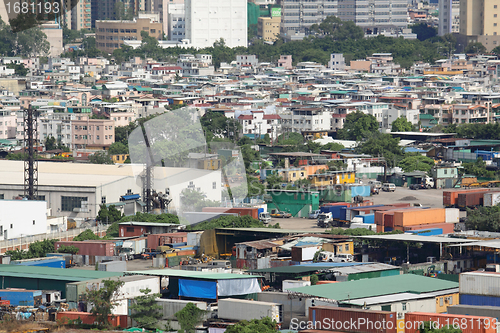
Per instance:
(468,324)
(89,319)
(448,228)
(450,197)
(417,216)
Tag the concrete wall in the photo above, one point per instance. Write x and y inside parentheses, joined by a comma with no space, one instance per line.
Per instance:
(293,306)
(20,218)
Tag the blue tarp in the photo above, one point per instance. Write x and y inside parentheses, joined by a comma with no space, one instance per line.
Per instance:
(130,197)
(198,289)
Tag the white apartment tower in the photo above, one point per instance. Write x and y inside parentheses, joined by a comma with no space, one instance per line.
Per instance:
(298,15)
(445,17)
(207,21)
(176,22)
(375,16)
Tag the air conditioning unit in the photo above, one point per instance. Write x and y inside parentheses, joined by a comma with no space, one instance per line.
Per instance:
(401,315)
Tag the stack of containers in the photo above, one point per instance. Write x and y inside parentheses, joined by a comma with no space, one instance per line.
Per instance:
(471,199)
(480,288)
(491,199)
(450,197)
(418,219)
(156,240)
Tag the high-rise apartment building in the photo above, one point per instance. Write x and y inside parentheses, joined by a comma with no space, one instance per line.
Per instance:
(81,15)
(480,22)
(445,17)
(207,21)
(374,16)
(297,16)
(176,22)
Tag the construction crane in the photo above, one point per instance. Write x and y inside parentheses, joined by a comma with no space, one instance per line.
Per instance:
(30,159)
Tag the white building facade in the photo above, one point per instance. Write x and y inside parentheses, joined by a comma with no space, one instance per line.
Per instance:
(445,17)
(208,21)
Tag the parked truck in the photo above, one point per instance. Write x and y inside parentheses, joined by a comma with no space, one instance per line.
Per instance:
(132,248)
(242,309)
(325,220)
(327,256)
(265,217)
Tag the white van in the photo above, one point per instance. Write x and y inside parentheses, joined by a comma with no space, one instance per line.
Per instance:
(388,187)
(375,184)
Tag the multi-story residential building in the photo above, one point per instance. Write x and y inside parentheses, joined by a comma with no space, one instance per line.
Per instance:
(122,118)
(470,113)
(208,21)
(8,124)
(247,60)
(305,119)
(337,62)
(375,16)
(58,126)
(268,28)
(258,124)
(110,35)
(479,22)
(81,15)
(201,64)
(176,22)
(442,113)
(445,17)
(297,16)
(455,16)
(92,133)
(285,61)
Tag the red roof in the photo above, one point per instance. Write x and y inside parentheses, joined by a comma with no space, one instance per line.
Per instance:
(258,111)
(271,116)
(245,117)
(336,115)
(203,105)
(168,68)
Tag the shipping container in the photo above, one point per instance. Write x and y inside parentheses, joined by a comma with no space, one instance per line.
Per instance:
(479,300)
(89,319)
(468,324)
(474,310)
(241,211)
(54,262)
(112,266)
(345,204)
(290,284)
(480,283)
(389,219)
(491,199)
(450,197)
(132,248)
(351,212)
(304,253)
(169,307)
(335,210)
(446,228)
(474,199)
(368,321)
(417,216)
(369,218)
(452,215)
(91,247)
(193,238)
(156,240)
(22,297)
(240,309)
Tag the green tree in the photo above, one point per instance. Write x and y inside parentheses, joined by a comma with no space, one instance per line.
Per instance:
(424,31)
(274,181)
(228,222)
(108,214)
(496,51)
(145,310)
(337,29)
(483,219)
(401,125)
(86,235)
(194,201)
(102,300)
(50,143)
(41,248)
(314,279)
(215,124)
(358,126)
(19,69)
(264,325)
(475,48)
(189,317)
(416,162)
(477,168)
(68,249)
(147,217)
(333,146)
(118,148)
(31,43)
(383,145)
(113,230)
(100,157)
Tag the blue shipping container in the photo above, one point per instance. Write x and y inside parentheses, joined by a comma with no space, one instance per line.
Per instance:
(335,210)
(363,191)
(479,300)
(343,213)
(54,262)
(368,218)
(21,297)
(427,232)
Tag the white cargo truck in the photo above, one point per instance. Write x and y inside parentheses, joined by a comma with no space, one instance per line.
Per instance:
(132,248)
(242,309)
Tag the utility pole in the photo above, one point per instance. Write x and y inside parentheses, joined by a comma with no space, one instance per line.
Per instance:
(30,161)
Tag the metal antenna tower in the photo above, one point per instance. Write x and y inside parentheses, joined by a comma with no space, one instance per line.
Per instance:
(147,183)
(30,160)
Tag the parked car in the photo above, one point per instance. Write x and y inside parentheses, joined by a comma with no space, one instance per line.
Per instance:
(375,184)
(281,215)
(314,214)
(388,187)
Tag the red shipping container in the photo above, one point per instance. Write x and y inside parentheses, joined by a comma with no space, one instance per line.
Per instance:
(156,240)
(89,319)
(186,253)
(4,302)
(241,211)
(468,324)
(380,228)
(90,247)
(352,320)
(448,228)
(450,197)
(347,204)
(389,219)
(471,199)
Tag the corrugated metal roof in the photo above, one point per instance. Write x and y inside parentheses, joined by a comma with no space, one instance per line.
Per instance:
(191,274)
(49,273)
(400,297)
(150,224)
(297,269)
(260,244)
(492,244)
(416,238)
(372,267)
(407,283)
(304,241)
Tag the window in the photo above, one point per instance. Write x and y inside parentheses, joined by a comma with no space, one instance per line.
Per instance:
(33,222)
(105,137)
(97,127)
(347,247)
(97,137)
(445,172)
(441,302)
(68,203)
(2,196)
(103,200)
(214,185)
(403,305)
(11,226)
(130,229)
